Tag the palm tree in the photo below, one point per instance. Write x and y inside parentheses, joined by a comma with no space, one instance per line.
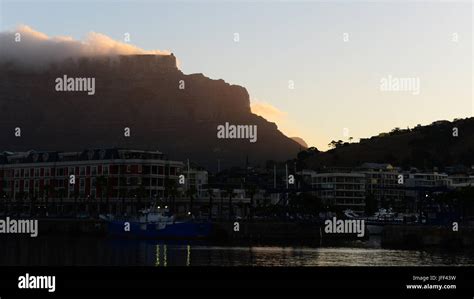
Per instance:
(211,198)
(48,191)
(76,194)
(141,194)
(123,202)
(107,194)
(191,192)
(100,183)
(62,194)
(32,204)
(230,193)
(3,196)
(251,191)
(171,191)
(6,200)
(220,206)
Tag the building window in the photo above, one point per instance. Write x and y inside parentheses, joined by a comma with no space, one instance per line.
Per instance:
(90,154)
(94,170)
(173,171)
(82,184)
(129,168)
(37,172)
(93,182)
(26,185)
(82,171)
(140,169)
(105,169)
(128,181)
(17,173)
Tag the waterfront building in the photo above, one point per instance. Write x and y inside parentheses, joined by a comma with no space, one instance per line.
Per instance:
(341,189)
(460,181)
(382,182)
(196,181)
(426,179)
(90,174)
(422,184)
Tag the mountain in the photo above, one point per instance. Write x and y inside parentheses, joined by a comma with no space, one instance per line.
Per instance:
(441,144)
(300,141)
(164,109)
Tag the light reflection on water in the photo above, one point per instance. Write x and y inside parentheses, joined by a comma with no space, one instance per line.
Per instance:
(323,256)
(62,251)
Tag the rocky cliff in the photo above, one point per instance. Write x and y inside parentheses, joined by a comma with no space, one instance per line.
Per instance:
(165,109)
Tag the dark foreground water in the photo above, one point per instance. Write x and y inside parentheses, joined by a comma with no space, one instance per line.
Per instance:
(93,251)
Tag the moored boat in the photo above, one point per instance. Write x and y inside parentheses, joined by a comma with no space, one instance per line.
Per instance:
(157,223)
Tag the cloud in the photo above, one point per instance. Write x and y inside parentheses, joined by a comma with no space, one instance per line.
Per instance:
(37,49)
(273,114)
(267,111)
(280,117)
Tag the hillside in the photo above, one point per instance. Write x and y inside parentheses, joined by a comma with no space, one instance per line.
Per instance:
(423,147)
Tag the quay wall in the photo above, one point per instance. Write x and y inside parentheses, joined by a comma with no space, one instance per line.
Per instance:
(415,236)
(267,231)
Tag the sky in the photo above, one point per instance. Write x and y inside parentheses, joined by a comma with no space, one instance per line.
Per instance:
(313,67)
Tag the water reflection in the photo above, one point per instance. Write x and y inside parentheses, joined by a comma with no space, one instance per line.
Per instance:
(63,251)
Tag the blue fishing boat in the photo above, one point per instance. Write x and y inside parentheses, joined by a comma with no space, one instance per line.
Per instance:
(157,223)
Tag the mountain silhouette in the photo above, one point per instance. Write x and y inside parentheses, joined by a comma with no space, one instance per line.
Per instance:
(441,144)
(163,108)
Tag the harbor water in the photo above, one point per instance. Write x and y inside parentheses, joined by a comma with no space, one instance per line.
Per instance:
(100,251)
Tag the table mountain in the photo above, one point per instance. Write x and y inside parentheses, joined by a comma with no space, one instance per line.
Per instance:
(164,108)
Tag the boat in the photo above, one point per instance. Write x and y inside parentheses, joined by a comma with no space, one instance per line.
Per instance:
(157,223)
(382,217)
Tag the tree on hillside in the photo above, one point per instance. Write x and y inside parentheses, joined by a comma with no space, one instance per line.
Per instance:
(304,155)
(336,144)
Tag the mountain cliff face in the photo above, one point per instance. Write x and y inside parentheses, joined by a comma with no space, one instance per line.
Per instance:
(164,109)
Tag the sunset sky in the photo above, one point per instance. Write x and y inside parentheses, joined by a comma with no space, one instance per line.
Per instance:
(336,83)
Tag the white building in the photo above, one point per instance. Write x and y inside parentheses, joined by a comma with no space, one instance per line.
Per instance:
(196,179)
(344,190)
(426,179)
(460,181)
(384,184)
